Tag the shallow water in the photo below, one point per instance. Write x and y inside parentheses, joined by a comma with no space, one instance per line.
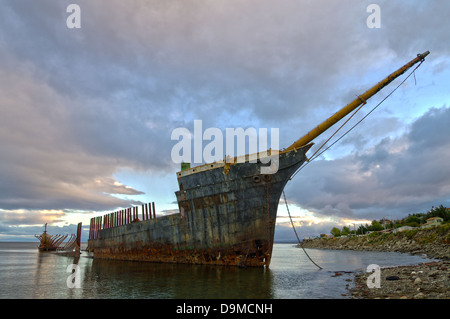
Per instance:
(27,273)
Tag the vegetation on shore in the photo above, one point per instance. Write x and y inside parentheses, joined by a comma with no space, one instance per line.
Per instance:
(434,242)
(413,220)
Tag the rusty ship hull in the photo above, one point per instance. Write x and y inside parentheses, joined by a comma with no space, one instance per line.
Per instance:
(226,216)
(227,211)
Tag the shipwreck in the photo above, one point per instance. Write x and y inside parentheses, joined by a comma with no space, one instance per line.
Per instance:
(227,209)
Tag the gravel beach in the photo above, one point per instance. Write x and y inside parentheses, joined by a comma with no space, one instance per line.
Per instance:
(423,281)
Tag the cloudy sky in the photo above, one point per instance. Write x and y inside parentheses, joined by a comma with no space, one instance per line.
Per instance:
(86,114)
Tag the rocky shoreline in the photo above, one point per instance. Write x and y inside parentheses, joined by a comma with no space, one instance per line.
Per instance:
(423,281)
(432,242)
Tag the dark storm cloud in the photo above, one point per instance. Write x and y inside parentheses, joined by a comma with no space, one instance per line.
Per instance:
(78,105)
(398,176)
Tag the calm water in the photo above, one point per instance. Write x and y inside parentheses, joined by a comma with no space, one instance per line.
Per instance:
(26,273)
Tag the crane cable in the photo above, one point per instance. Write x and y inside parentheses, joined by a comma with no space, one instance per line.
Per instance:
(313,157)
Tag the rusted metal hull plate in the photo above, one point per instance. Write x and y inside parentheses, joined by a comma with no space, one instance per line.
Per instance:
(245,254)
(226,218)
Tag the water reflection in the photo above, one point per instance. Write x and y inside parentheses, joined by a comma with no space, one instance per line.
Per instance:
(27,273)
(124,279)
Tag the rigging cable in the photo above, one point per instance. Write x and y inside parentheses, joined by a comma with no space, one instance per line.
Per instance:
(357,123)
(313,157)
(293,227)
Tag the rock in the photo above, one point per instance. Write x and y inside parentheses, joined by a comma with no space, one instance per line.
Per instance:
(392,278)
(433,273)
(423,281)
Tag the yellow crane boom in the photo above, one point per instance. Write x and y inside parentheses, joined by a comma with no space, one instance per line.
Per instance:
(311,135)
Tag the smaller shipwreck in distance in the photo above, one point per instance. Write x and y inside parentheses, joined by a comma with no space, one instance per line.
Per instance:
(56,242)
(227,210)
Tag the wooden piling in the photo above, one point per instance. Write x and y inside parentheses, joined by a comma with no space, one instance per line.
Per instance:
(78,239)
(154,210)
(99,224)
(93,227)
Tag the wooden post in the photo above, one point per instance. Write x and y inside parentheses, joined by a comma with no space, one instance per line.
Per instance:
(78,240)
(94,228)
(94,225)
(154,210)
(99,224)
